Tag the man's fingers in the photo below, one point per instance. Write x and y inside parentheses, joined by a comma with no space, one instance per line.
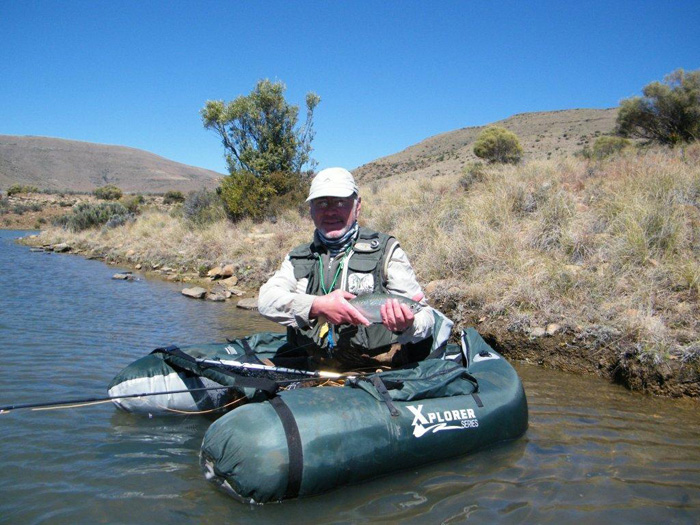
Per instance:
(355,317)
(399,314)
(346,295)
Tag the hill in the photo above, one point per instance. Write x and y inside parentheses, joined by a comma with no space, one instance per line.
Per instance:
(69,165)
(543,135)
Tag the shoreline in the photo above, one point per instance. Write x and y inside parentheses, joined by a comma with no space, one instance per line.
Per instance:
(551,347)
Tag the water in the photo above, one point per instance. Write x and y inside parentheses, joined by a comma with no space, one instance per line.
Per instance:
(593,453)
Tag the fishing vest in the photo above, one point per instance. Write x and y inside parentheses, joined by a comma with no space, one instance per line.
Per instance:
(353,345)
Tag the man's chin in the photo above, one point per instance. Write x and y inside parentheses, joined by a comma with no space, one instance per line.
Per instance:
(334,234)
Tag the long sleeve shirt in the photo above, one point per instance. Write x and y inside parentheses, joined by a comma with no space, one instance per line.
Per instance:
(283,298)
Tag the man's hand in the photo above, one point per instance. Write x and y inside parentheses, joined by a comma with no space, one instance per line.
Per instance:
(336,308)
(398,317)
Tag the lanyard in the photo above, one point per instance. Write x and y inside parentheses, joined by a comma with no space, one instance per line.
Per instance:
(328,290)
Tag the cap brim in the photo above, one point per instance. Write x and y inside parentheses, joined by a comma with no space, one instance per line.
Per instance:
(339,193)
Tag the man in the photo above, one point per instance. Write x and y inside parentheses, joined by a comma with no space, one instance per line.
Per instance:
(310,293)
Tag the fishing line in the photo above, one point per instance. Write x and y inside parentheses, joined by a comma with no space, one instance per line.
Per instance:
(96,400)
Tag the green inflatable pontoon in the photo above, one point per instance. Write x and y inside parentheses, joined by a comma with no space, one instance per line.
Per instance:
(307,441)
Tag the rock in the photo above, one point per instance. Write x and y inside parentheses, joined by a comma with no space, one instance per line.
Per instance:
(230,282)
(220,272)
(236,291)
(248,304)
(215,297)
(36,250)
(196,292)
(538,331)
(62,247)
(215,272)
(139,266)
(166,269)
(123,276)
(552,328)
(432,286)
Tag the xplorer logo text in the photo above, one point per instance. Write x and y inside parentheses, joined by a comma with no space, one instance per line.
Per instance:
(441,420)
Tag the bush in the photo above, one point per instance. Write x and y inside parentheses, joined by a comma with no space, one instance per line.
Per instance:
(203,207)
(668,113)
(132,203)
(497,144)
(85,215)
(245,195)
(16,189)
(473,172)
(605,146)
(108,193)
(173,197)
(291,190)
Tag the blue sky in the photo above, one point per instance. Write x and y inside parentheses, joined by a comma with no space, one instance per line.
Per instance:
(137,72)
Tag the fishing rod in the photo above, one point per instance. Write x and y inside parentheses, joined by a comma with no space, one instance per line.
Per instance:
(8,408)
(228,363)
(270,368)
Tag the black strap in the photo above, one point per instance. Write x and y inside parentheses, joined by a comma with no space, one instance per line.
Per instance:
(381,388)
(247,348)
(175,357)
(296,454)
(478,400)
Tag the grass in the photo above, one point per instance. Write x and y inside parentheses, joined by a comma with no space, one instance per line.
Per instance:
(606,249)
(611,243)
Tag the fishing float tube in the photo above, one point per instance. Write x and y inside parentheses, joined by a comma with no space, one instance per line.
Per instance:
(192,379)
(307,441)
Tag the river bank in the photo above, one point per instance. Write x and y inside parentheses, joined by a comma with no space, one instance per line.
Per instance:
(588,267)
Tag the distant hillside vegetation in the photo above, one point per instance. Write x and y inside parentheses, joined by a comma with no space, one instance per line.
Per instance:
(69,165)
(543,135)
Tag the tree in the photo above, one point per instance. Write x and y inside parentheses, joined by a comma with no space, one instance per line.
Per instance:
(259,131)
(265,149)
(668,113)
(496,144)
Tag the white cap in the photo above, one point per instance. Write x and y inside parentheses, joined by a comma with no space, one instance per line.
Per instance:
(332,182)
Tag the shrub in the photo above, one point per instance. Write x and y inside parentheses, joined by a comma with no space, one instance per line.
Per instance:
(173,197)
(668,113)
(473,172)
(605,146)
(132,203)
(203,207)
(245,195)
(108,193)
(496,144)
(85,215)
(291,190)
(16,189)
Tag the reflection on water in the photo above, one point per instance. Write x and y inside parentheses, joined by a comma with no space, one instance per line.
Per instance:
(593,453)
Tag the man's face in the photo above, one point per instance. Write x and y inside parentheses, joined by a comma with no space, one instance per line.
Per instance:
(333,216)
